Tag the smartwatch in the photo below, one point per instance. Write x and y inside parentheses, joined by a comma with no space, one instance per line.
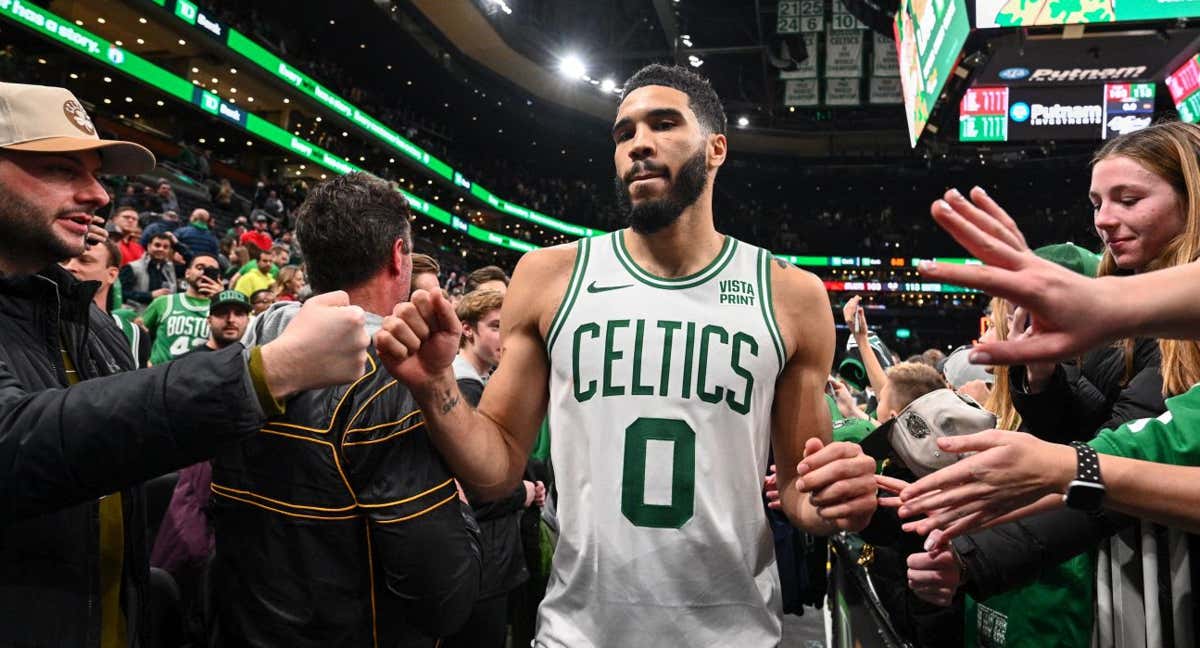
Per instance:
(1086,491)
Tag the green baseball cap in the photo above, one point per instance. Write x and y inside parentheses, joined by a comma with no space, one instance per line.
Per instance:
(1072,257)
(229,298)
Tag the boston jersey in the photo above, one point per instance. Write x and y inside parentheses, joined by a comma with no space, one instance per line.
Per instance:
(178,323)
(660,402)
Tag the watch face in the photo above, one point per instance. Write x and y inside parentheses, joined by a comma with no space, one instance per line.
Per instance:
(1085,496)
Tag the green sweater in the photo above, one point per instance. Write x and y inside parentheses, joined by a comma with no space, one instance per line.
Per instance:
(1170,438)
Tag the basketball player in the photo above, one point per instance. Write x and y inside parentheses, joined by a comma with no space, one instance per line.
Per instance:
(671,358)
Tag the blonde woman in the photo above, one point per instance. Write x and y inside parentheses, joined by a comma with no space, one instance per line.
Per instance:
(288,284)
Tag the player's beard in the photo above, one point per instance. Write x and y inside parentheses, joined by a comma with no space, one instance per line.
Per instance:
(650,216)
(27,232)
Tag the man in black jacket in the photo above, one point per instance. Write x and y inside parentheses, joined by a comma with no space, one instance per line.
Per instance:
(77,440)
(339,524)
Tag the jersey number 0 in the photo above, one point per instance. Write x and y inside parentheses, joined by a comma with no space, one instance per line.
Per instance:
(683,473)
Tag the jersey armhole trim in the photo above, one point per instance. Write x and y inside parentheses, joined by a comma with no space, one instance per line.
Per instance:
(573,286)
(767,304)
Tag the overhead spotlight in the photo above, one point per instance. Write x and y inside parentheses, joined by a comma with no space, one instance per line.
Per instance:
(695,61)
(141,41)
(608,85)
(743,121)
(500,5)
(686,40)
(142,20)
(572,67)
(182,42)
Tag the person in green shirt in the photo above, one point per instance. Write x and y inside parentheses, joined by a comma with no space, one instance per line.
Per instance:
(179,321)
(280,255)
(257,278)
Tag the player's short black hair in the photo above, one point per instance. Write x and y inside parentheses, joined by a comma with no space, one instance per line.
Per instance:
(702,99)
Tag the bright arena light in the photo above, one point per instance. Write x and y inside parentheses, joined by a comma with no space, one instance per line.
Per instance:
(743,121)
(572,67)
(608,85)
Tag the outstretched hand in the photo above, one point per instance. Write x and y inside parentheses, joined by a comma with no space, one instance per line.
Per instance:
(1067,308)
(1009,472)
(419,340)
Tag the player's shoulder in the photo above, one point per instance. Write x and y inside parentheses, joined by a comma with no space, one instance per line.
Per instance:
(793,281)
(548,263)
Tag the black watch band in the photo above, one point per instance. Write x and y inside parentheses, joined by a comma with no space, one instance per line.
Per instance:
(1086,491)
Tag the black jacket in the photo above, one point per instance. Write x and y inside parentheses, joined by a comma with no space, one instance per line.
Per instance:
(338,524)
(1082,399)
(61,449)
(499,526)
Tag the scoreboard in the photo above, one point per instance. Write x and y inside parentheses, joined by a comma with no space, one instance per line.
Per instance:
(1021,114)
(1184,85)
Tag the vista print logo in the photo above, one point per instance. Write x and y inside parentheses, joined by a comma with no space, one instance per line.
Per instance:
(1014,74)
(1019,112)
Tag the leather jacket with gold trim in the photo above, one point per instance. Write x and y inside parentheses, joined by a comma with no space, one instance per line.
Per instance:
(338,524)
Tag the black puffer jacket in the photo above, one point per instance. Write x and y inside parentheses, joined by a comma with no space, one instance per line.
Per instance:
(1082,399)
(338,524)
(61,449)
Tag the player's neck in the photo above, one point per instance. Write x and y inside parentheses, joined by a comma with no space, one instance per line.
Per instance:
(680,249)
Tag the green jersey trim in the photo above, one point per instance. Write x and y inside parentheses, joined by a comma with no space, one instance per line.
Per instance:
(691,281)
(767,304)
(573,286)
(194,304)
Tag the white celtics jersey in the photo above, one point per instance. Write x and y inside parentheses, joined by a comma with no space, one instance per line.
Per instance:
(660,403)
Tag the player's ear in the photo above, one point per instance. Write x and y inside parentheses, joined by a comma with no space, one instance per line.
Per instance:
(718,148)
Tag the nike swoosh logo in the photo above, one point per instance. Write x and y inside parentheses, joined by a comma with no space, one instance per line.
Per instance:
(593,288)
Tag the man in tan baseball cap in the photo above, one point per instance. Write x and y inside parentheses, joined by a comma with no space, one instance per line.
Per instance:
(45,119)
(80,429)
(50,156)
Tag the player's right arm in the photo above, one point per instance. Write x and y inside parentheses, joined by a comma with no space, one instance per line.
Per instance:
(486,447)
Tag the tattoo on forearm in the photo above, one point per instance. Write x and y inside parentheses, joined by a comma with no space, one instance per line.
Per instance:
(450,400)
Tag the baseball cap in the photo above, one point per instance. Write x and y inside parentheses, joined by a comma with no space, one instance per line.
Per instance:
(959,371)
(230,298)
(1072,257)
(261,218)
(46,119)
(911,436)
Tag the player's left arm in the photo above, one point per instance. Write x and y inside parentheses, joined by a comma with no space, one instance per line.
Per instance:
(824,487)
